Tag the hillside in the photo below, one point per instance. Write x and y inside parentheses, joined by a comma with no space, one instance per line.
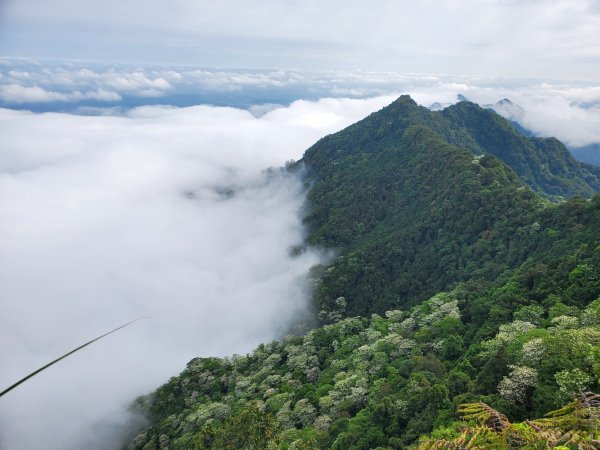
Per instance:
(469,286)
(411,214)
(545,164)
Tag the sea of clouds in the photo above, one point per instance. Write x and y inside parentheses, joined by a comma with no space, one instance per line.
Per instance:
(569,110)
(110,212)
(160,212)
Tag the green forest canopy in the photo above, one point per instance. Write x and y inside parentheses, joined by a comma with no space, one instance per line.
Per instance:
(462,277)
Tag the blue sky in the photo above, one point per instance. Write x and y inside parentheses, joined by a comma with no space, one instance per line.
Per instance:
(526,38)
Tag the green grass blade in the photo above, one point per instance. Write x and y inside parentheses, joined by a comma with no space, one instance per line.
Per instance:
(32,374)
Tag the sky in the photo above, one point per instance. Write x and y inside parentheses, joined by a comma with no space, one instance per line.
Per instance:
(137,138)
(508,38)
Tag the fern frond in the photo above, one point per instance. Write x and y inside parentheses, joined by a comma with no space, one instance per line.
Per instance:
(583,414)
(576,425)
(484,415)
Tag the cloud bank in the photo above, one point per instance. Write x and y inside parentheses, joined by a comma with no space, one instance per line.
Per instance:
(161,212)
(568,111)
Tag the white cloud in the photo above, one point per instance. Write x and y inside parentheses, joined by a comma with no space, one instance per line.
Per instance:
(68,83)
(163,213)
(18,94)
(557,116)
(100,94)
(15,93)
(568,110)
(569,113)
(135,81)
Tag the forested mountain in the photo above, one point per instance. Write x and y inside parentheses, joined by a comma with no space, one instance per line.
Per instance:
(543,163)
(413,214)
(456,281)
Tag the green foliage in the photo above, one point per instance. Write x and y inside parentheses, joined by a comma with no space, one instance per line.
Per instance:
(412,205)
(382,382)
(250,429)
(576,425)
(471,289)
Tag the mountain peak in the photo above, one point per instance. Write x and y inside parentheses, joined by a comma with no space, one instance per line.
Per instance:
(544,164)
(403,103)
(404,99)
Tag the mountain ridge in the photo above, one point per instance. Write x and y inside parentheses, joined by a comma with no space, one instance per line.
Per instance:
(392,178)
(454,282)
(483,131)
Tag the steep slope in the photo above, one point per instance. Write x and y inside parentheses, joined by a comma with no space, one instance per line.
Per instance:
(382,382)
(543,163)
(410,213)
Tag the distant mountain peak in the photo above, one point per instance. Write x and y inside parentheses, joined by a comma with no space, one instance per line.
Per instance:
(508,109)
(404,100)
(437,106)
(504,101)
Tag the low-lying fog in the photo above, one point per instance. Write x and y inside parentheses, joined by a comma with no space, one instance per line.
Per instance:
(162,212)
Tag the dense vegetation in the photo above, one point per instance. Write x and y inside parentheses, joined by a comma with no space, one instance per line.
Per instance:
(573,426)
(471,289)
(384,381)
(411,214)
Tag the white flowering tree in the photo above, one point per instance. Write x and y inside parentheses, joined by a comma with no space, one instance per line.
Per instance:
(516,386)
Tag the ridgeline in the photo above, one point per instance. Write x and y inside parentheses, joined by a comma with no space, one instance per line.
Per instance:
(467,271)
